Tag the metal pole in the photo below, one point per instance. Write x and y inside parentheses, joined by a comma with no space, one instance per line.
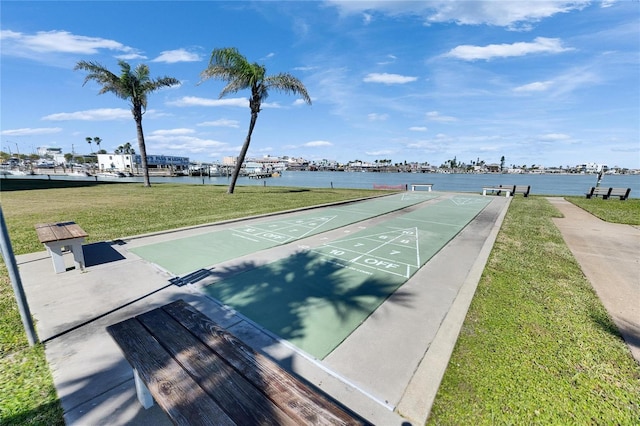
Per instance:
(14,276)
(600,173)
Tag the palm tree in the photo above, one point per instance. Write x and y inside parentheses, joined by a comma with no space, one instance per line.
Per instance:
(89,140)
(97,140)
(229,65)
(133,86)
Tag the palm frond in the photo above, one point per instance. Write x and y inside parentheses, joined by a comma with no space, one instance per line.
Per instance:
(288,84)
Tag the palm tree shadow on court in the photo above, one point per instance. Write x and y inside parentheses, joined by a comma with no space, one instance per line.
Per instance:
(306,298)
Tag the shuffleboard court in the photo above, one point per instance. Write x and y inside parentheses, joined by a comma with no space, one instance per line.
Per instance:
(319,296)
(189,254)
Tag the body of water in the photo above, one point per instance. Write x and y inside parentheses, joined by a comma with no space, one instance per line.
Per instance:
(544,184)
(550,184)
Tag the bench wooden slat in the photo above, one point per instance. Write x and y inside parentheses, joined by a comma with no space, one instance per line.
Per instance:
(600,190)
(242,402)
(45,233)
(280,386)
(188,404)
(48,232)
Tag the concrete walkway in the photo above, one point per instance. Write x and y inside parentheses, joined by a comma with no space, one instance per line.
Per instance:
(609,255)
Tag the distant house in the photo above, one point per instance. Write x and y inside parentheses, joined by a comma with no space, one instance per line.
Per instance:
(493,168)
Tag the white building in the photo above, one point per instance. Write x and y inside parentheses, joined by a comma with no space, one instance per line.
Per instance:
(129,163)
(591,168)
(53,153)
(116,162)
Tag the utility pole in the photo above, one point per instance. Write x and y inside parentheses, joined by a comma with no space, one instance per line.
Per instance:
(14,276)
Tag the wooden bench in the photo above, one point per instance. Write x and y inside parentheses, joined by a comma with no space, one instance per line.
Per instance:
(522,189)
(599,190)
(421,185)
(623,193)
(508,190)
(200,373)
(60,236)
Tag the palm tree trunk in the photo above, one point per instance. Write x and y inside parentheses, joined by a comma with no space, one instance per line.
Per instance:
(243,154)
(143,151)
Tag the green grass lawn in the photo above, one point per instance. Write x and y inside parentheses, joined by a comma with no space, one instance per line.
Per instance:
(537,346)
(612,210)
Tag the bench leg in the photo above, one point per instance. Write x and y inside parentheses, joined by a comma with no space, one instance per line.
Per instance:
(56,257)
(142,391)
(78,255)
(507,194)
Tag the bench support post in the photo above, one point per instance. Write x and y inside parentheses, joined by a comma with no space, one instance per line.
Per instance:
(142,391)
(55,251)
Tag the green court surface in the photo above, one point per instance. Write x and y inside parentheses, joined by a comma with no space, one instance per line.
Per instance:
(317,297)
(190,254)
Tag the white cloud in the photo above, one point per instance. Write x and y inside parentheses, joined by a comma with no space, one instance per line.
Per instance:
(386,78)
(377,117)
(221,123)
(538,86)
(101,114)
(389,60)
(510,14)
(539,45)
(183,143)
(418,129)
(16,43)
(187,101)
(317,144)
(130,56)
(173,132)
(380,152)
(178,55)
(31,131)
(554,137)
(435,116)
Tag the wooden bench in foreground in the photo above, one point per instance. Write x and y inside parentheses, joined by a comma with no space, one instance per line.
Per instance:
(62,236)
(421,185)
(200,373)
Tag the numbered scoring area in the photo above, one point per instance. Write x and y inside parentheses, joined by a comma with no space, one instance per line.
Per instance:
(395,252)
(283,232)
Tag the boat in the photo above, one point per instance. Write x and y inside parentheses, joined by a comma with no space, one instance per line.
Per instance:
(111,175)
(79,173)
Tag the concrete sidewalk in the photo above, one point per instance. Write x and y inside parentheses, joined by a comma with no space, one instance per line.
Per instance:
(609,256)
(367,372)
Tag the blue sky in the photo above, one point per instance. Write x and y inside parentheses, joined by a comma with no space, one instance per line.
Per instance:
(552,83)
